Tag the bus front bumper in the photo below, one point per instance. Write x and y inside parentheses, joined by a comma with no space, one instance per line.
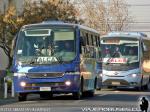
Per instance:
(64,84)
(124,81)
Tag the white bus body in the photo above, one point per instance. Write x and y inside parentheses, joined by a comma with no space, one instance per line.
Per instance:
(126,59)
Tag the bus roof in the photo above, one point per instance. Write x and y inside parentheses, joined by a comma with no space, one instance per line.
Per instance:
(136,35)
(60,23)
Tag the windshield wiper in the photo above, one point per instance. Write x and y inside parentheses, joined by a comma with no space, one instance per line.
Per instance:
(33,61)
(59,59)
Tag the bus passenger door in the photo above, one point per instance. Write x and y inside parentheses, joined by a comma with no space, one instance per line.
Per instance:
(146,61)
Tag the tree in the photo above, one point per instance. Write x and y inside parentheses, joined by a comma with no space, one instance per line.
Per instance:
(10,21)
(9,24)
(49,10)
(105,17)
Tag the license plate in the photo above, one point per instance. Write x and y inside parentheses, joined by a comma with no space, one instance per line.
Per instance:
(45,88)
(115,83)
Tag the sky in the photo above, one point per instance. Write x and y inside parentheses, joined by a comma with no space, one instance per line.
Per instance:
(140,9)
(140,12)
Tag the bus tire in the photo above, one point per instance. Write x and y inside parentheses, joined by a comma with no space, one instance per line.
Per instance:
(77,95)
(96,85)
(139,88)
(91,93)
(145,87)
(22,97)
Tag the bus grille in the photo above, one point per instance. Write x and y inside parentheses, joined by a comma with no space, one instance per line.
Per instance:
(45,84)
(44,75)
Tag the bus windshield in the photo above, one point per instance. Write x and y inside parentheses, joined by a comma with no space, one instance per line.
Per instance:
(46,46)
(120,53)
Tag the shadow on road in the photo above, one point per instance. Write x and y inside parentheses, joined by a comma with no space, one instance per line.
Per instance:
(7,101)
(106,96)
(117,97)
(124,89)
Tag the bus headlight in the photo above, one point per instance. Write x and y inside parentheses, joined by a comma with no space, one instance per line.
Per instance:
(22,84)
(100,74)
(68,83)
(134,75)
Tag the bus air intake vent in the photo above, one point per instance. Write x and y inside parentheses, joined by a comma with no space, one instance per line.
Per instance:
(44,75)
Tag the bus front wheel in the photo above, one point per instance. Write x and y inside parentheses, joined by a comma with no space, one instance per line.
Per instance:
(77,95)
(145,87)
(22,97)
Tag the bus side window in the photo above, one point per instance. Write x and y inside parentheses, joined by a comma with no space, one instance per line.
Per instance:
(98,40)
(146,56)
(82,42)
(95,41)
(146,50)
(92,40)
(87,39)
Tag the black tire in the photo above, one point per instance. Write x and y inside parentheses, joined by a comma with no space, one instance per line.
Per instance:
(22,97)
(96,85)
(145,87)
(139,88)
(90,93)
(77,95)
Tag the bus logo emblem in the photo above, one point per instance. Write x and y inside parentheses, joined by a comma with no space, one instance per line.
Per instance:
(116,73)
(45,75)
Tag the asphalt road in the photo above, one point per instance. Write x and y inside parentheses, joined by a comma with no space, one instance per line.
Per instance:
(106,100)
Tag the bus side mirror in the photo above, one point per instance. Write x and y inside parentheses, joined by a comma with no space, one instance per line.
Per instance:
(13,44)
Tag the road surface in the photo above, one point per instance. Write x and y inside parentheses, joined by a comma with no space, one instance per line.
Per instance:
(106,100)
